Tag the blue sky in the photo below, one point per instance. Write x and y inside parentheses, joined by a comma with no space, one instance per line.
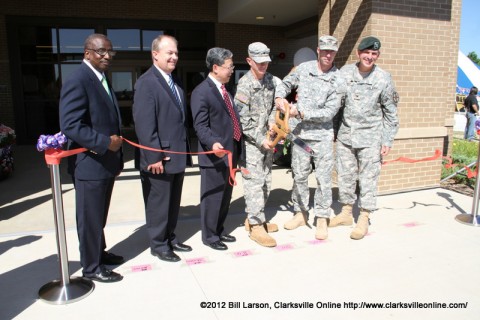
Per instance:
(470,27)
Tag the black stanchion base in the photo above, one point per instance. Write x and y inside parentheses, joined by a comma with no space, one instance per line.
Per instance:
(469,219)
(57,293)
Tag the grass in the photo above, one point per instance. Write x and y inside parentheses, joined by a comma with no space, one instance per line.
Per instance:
(463,154)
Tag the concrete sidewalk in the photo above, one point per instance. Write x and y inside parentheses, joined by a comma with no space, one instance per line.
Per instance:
(415,253)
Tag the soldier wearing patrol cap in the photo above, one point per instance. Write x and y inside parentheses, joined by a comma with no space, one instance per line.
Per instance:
(319,88)
(254,99)
(366,134)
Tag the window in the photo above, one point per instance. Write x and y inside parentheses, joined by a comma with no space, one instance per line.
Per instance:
(37,44)
(50,49)
(132,39)
(124,39)
(122,84)
(147,38)
(67,70)
(72,40)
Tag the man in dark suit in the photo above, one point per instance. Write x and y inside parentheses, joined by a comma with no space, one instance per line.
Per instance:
(90,118)
(160,123)
(218,128)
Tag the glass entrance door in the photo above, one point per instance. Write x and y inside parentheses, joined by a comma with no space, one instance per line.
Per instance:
(123,80)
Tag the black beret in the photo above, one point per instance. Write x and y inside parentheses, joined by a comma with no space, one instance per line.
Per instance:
(369,43)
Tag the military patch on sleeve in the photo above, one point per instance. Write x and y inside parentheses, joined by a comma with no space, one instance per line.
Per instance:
(396,97)
(242,97)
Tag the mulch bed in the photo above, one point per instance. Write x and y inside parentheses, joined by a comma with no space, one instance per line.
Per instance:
(450,184)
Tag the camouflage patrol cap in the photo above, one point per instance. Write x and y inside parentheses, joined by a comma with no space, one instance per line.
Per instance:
(328,43)
(259,52)
(371,43)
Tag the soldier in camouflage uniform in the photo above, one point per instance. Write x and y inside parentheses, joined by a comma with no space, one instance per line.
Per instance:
(366,134)
(254,99)
(319,91)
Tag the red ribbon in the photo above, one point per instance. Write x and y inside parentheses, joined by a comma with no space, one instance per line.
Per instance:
(470,173)
(437,155)
(54,156)
(232,173)
(450,164)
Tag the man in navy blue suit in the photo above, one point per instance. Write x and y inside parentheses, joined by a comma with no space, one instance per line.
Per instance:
(90,118)
(160,122)
(218,128)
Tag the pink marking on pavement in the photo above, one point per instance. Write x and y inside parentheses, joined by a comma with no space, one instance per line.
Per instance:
(316,241)
(142,267)
(243,253)
(194,261)
(411,224)
(284,247)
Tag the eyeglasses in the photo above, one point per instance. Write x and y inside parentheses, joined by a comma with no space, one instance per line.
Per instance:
(229,67)
(103,52)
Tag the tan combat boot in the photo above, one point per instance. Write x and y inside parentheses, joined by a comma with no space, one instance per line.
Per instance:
(361,229)
(260,235)
(298,220)
(322,231)
(344,218)
(270,227)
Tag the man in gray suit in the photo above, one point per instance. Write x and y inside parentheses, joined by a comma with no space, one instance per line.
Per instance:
(160,123)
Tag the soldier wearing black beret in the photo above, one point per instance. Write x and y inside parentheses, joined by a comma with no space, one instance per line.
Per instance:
(366,134)
(370,43)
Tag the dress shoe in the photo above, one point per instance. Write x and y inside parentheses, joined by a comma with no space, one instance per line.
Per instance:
(168,255)
(105,275)
(181,247)
(227,238)
(217,245)
(110,258)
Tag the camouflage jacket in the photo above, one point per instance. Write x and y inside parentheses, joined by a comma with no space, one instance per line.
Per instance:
(318,98)
(370,108)
(254,100)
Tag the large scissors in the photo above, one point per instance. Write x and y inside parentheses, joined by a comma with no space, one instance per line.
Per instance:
(282,130)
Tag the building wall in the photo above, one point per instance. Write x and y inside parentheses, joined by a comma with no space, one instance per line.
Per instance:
(420,40)
(237,37)
(232,36)
(419,45)
(127,9)
(6,105)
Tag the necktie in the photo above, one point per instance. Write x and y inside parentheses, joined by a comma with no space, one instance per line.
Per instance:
(174,90)
(237,134)
(105,85)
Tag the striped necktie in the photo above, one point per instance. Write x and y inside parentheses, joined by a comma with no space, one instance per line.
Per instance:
(174,90)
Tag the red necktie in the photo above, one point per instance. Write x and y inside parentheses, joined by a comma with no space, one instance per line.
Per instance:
(237,134)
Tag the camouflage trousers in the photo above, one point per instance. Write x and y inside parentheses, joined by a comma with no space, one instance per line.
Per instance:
(362,164)
(257,182)
(301,169)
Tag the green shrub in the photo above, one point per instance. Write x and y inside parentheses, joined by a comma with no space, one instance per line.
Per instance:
(463,154)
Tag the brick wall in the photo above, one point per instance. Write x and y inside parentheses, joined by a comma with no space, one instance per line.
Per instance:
(419,48)
(401,176)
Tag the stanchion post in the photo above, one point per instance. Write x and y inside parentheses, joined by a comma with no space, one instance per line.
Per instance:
(473,218)
(66,290)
